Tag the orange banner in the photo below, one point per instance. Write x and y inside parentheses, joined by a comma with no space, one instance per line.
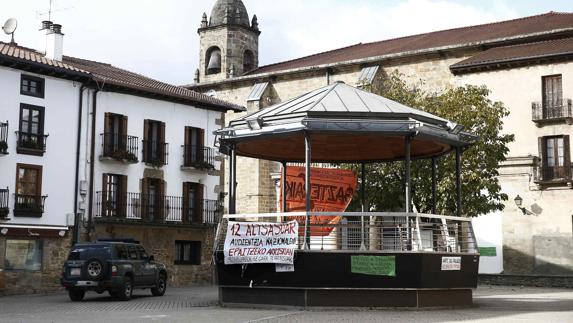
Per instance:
(331,190)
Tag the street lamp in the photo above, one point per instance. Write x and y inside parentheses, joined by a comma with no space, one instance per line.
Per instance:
(518,202)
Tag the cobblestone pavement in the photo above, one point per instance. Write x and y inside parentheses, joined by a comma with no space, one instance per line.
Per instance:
(199,304)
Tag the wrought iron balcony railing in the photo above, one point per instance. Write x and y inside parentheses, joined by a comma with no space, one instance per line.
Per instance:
(31,143)
(120,147)
(4,202)
(29,205)
(156,208)
(548,174)
(4,138)
(199,157)
(551,111)
(155,152)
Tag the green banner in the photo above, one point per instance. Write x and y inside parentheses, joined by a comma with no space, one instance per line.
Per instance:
(487,251)
(373,265)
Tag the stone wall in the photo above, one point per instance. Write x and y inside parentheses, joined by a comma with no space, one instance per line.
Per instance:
(159,241)
(54,254)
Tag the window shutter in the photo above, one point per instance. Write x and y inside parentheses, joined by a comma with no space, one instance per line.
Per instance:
(123,133)
(200,144)
(162,145)
(122,197)
(199,202)
(567,157)
(201,141)
(107,123)
(144,200)
(161,201)
(185,215)
(103,200)
(145,140)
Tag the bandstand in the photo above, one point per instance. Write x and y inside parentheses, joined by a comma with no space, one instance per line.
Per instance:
(372,258)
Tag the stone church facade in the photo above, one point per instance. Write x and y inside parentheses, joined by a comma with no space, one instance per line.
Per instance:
(527,64)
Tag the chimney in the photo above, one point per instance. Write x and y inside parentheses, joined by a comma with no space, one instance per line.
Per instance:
(54,41)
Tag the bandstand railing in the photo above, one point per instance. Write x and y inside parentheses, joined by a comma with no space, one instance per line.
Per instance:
(371,231)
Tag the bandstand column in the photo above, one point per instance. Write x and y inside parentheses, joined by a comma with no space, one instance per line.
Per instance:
(232,180)
(283,187)
(408,146)
(434,183)
(458,181)
(307,157)
(362,204)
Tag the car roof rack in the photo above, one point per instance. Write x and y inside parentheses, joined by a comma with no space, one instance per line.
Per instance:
(124,240)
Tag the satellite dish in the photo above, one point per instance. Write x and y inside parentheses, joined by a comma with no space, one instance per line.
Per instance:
(10,27)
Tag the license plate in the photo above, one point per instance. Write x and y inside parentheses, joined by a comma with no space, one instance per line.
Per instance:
(75,271)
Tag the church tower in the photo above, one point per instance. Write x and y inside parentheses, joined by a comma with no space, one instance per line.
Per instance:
(229,42)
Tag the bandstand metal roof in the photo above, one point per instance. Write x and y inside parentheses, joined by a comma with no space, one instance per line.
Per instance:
(345,124)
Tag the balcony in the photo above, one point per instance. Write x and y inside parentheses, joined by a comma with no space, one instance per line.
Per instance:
(144,208)
(198,158)
(554,112)
(29,205)
(553,174)
(3,138)
(30,143)
(119,147)
(155,153)
(4,202)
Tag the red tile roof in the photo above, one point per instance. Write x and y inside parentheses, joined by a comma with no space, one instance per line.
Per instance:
(106,74)
(551,21)
(524,52)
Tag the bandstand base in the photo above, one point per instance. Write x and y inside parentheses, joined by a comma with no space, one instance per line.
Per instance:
(344,297)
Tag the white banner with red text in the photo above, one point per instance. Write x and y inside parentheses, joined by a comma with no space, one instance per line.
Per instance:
(260,242)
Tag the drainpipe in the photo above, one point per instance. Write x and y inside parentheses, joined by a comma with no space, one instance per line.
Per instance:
(92,161)
(77,225)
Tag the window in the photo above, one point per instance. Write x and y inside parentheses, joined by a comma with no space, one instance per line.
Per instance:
(142,253)
(192,203)
(114,195)
(133,253)
(213,61)
(187,252)
(552,92)
(28,198)
(153,199)
(555,157)
(248,61)
(23,255)
(194,150)
(32,86)
(122,252)
(31,139)
(154,146)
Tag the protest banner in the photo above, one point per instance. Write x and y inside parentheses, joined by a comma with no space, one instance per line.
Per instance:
(331,190)
(260,242)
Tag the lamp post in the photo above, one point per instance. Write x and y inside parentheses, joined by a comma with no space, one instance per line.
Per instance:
(518,202)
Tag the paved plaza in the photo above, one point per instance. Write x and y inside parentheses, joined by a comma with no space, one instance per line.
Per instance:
(199,304)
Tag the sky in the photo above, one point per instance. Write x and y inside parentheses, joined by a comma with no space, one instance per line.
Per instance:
(159,38)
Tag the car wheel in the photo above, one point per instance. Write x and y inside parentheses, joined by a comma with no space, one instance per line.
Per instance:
(76,295)
(94,268)
(124,293)
(160,286)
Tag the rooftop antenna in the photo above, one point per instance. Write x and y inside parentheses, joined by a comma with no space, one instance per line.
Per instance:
(52,8)
(10,27)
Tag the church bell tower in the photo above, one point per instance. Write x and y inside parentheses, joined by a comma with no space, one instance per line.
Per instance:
(229,42)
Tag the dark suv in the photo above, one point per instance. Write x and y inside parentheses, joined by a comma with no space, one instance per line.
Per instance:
(116,267)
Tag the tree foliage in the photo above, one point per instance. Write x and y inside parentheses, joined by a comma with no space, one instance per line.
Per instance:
(469,106)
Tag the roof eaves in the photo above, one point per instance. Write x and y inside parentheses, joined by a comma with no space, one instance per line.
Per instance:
(460,67)
(380,58)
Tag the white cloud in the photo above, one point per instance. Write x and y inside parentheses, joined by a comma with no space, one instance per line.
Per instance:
(159,38)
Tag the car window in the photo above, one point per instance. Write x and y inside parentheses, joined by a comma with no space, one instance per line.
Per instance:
(132,253)
(84,252)
(122,252)
(142,254)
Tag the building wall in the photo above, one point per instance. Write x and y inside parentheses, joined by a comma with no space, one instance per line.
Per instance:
(58,162)
(540,242)
(159,241)
(176,118)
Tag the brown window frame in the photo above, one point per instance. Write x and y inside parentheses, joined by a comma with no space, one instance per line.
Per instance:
(39,168)
(197,216)
(194,140)
(117,208)
(557,96)
(158,204)
(554,172)
(41,86)
(195,257)
(161,148)
(25,208)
